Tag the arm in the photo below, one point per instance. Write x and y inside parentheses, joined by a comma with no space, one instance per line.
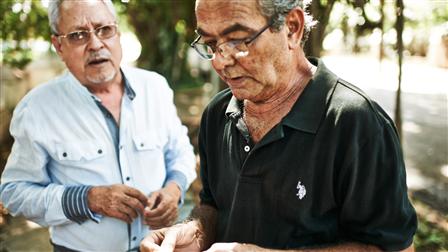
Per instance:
(179,156)
(194,235)
(26,188)
(346,247)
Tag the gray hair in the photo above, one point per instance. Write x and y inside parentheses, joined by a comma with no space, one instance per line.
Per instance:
(277,10)
(53,12)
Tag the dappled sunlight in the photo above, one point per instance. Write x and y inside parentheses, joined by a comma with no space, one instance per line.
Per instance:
(444,170)
(419,75)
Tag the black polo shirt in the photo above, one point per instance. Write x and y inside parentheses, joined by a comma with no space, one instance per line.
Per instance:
(331,171)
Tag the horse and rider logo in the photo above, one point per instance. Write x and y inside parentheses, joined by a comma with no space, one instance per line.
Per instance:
(301,190)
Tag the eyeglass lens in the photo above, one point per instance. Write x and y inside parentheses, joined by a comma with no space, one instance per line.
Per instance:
(81,37)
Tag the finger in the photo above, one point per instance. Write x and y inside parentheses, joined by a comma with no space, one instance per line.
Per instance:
(221,246)
(148,246)
(159,212)
(134,203)
(164,205)
(169,243)
(122,216)
(130,212)
(165,217)
(162,222)
(152,200)
(136,194)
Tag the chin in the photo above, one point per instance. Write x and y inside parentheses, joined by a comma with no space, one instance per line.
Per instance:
(102,77)
(241,94)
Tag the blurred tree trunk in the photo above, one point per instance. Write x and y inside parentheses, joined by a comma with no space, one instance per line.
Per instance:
(381,53)
(321,12)
(164,29)
(399,26)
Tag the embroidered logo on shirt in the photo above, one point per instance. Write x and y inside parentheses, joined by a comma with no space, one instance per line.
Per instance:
(301,190)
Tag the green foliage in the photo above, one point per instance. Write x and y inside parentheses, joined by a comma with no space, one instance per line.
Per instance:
(429,238)
(164,29)
(21,20)
(17,57)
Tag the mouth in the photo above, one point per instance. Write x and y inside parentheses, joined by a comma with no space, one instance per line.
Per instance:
(236,82)
(97,62)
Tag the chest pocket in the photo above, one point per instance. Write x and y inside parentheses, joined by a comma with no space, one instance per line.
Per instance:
(79,151)
(146,142)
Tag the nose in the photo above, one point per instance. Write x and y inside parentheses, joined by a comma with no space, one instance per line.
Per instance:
(94,42)
(220,62)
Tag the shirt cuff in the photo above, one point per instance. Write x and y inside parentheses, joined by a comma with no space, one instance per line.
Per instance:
(181,180)
(75,206)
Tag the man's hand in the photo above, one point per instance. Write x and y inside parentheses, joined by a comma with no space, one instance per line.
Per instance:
(185,237)
(235,247)
(162,206)
(118,201)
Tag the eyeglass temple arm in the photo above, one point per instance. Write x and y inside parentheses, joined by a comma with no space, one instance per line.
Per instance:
(195,41)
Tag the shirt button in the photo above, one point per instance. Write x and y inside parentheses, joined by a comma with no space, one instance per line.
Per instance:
(64,154)
(134,238)
(142,144)
(100,151)
(128,178)
(121,147)
(246,148)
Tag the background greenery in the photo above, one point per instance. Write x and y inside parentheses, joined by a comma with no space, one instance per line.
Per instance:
(166,27)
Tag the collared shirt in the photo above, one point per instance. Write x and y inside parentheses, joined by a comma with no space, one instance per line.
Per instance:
(62,140)
(331,171)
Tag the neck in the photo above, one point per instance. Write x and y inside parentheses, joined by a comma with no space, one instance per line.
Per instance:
(105,88)
(284,98)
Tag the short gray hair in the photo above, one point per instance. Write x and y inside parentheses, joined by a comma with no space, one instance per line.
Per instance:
(53,12)
(277,10)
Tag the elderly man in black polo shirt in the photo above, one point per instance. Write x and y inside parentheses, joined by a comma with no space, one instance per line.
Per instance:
(292,156)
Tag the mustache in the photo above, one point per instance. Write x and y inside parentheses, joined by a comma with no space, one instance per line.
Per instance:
(98,55)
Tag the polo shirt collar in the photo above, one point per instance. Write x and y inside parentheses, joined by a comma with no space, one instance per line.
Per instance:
(233,110)
(309,110)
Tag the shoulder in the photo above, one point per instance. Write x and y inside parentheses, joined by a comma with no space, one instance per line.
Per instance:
(40,101)
(151,84)
(349,104)
(43,94)
(141,76)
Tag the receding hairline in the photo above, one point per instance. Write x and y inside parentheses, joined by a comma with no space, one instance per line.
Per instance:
(55,7)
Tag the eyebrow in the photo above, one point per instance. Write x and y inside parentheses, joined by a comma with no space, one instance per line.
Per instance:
(233,28)
(86,27)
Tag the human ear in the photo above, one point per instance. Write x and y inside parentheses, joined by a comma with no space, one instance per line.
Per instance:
(295,25)
(57,45)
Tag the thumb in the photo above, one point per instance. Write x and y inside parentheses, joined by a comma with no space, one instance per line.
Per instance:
(169,243)
(148,246)
(152,200)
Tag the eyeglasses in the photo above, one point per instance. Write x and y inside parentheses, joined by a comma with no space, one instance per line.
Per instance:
(83,36)
(238,48)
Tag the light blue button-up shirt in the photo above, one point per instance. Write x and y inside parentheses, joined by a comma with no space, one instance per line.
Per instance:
(62,140)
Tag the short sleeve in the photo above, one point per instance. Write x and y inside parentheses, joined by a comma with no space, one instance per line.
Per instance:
(375,207)
(205,194)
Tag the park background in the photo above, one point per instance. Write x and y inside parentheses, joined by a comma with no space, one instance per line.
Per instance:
(395,50)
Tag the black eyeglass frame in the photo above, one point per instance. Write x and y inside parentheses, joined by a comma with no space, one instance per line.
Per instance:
(246,41)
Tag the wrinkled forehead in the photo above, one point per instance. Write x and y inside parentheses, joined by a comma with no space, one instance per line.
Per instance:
(79,14)
(211,14)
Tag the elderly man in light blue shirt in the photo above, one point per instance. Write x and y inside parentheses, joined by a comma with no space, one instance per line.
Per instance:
(100,155)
